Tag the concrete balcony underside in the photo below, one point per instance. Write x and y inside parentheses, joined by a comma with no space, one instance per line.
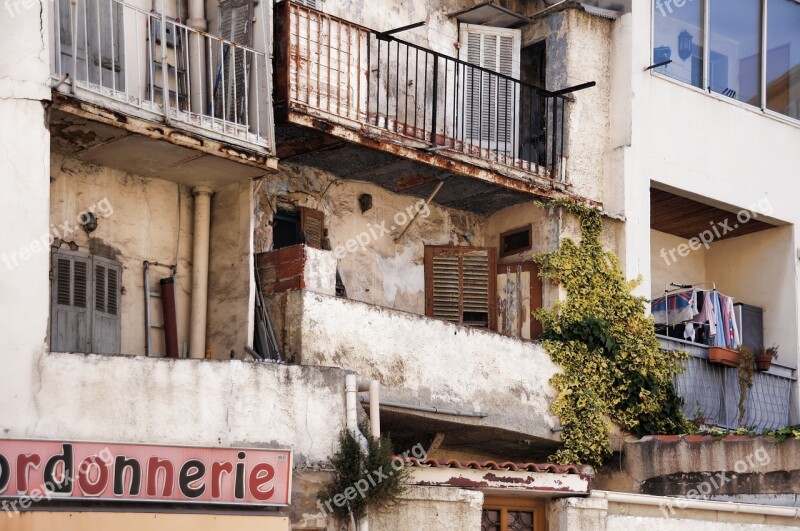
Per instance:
(429,362)
(97,134)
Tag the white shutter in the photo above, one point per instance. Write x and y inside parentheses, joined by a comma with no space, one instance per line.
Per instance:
(70,313)
(308,3)
(490,102)
(106,322)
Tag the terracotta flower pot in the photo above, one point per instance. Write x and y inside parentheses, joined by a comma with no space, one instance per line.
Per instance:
(723,356)
(763,363)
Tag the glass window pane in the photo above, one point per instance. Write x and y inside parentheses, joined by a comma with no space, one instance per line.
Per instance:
(490,520)
(520,521)
(678,35)
(735,61)
(783,57)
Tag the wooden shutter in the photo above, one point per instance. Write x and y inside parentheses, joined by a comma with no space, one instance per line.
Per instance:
(490,102)
(312,224)
(70,314)
(460,284)
(105,42)
(519,293)
(309,3)
(106,324)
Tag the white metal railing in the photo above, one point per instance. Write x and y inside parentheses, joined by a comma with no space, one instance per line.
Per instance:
(112,52)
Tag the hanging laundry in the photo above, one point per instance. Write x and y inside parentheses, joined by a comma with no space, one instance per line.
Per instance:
(675,307)
(707,314)
(732,337)
(721,339)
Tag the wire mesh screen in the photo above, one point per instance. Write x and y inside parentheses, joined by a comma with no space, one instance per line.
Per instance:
(711,392)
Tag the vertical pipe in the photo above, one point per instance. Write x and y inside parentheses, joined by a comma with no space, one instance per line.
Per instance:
(147,342)
(200,239)
(196,21)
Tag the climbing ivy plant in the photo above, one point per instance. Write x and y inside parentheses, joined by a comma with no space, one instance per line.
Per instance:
(613,368)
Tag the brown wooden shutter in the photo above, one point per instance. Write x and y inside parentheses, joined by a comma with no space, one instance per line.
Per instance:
(312,223)
(460,284)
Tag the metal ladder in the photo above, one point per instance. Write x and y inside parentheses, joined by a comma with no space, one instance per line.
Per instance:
(148,294)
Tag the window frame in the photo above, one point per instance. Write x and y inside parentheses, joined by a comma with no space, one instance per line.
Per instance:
(762,107)
(513,232)
(505,503)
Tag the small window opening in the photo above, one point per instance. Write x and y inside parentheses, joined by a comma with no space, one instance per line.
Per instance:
(515,241)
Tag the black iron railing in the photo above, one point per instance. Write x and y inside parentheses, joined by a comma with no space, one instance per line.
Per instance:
(339,68)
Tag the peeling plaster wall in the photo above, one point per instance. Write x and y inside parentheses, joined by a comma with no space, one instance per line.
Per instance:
(406,354)
(431,508)
(381,271)
(190,402)
(148,219)
(231,284)
(24,202)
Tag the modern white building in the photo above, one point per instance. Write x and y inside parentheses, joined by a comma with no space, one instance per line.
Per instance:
(235,229)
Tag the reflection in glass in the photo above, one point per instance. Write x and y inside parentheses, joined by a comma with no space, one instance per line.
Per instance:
(679,36)
(735,41)
(783,57)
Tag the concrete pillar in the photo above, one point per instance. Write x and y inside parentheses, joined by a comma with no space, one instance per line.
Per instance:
(200,241)
(586,514)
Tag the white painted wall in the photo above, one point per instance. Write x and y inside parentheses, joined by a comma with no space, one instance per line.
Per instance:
(24,203)
(689,269)
(189,402)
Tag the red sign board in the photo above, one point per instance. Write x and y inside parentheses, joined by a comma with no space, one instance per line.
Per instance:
(81,470)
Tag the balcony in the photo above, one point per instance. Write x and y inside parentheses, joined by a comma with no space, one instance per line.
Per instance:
(711,392)
(469,384)
(369,106)
(166,89)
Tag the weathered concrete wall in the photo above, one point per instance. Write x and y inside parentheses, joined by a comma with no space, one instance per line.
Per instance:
(189,402)
(24,203)
(597,514)
(381,271)
(431,508)
(701,467)
(406,354)
(139,219)
(231,283)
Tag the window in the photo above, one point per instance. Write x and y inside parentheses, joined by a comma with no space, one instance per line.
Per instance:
(730,59)
(85,306)
(674,27)
(294,227)
(515,241)
(461,285)
(783,57)
(512,514)
(490,102)
(735,45)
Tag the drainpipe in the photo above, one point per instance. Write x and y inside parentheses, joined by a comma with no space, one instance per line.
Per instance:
(374,388)
(351,394)
(197,54)
(202,225)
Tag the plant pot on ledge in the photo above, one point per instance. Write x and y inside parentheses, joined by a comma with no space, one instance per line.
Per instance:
(723,356)
(763,363)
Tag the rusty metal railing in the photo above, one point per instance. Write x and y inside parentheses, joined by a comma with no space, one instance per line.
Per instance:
(336,68)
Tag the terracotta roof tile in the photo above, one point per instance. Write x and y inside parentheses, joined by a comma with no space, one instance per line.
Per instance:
(493,465)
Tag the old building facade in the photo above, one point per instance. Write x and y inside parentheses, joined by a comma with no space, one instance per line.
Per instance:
(239,228)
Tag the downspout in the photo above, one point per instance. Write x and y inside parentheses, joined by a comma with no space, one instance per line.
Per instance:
(200,239)
(352,404)
(197,21)
(374,388)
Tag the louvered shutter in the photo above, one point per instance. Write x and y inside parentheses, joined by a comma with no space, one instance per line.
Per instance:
(460,284)
(70,316)
(308,3)
(235,25)
(312,224)
(106,324)
(490,102)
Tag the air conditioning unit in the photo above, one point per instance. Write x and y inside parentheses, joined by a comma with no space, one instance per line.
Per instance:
(750,320)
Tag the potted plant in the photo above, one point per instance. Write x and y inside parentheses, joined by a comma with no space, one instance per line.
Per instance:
(723,356)
(764,357)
